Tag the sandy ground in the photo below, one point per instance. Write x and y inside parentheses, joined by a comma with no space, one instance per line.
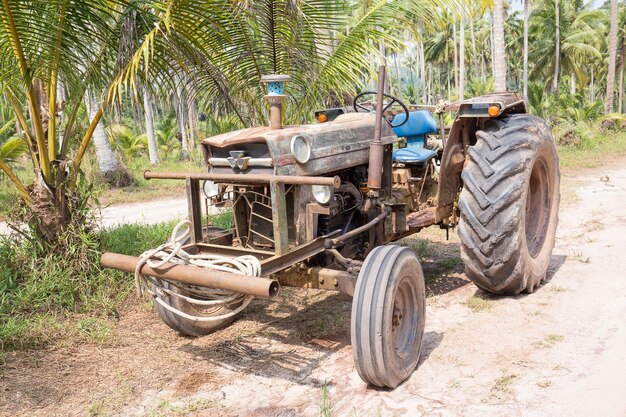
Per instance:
(558,352)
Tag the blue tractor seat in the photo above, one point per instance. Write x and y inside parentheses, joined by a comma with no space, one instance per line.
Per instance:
(420,123)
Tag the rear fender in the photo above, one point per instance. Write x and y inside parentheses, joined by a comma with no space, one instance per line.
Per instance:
(462,135)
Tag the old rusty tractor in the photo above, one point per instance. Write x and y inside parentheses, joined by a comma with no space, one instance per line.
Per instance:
(320,205)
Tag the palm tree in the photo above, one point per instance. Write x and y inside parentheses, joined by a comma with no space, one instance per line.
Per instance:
(42,41)
(610,78)
(581,35)
(250,39)
(499,63)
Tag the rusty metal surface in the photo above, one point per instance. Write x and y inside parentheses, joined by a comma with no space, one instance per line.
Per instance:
(375,167)
(295,255)
(209,278)
(451,166)
(245,179)
(422,218)
(194,209)
(343,143)
(355,232)
(279,218)
(318,278)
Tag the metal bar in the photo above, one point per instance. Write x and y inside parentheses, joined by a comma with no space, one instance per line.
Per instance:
(209,278)
(376,147)
(331,243)
(298,254)
(262,217)
(261,235)
(279,218)
(232,251)
(246,178)
(194,209)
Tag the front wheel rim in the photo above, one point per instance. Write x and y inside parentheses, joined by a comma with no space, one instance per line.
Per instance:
(404,318)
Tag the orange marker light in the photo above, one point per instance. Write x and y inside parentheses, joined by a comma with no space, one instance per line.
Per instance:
(493,111)
(322,117)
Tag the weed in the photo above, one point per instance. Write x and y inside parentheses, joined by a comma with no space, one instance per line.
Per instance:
(580,257)
(544,384)
(556,288)
(548,341)
(479,303)
(97,409)
(325,407)
(501,388)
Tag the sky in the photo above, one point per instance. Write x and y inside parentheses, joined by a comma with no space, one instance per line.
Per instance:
(517,5)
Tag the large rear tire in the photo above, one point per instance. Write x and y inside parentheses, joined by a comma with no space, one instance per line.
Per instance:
(388,315)
(509,205)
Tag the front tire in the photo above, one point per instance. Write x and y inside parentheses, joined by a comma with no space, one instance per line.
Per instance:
(388,315)
(178,296)
(509,205)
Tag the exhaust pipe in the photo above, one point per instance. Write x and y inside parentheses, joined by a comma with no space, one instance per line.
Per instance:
(202,277)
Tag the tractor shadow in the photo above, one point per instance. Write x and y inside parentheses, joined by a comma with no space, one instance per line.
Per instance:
(303,336)
(283,340)
(556,262)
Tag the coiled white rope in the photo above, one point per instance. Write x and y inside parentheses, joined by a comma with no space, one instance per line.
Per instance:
(172,251)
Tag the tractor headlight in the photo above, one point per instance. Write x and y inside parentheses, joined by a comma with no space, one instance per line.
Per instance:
(300,149)
(210,189)
(322,193)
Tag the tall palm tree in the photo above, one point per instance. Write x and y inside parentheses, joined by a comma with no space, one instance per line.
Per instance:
(525,73)
(610,78)
(153,151)
(499,63)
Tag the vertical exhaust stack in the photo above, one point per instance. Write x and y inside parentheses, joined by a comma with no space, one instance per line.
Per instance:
(275,97)
(375,169)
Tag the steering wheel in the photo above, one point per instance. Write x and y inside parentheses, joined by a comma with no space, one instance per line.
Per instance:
(360,105)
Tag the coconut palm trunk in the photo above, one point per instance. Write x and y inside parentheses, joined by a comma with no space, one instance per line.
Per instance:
(153,152)
(557,47)
(621,82)
(499,63)
(182,122)
(111,169)
(525,74)
(610,78)
(474,52)
(462,60)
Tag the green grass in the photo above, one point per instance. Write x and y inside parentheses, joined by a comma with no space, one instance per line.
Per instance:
(478,303)
(595,148)
(47,297)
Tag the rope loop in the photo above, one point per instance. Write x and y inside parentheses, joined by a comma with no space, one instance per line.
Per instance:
(172,251)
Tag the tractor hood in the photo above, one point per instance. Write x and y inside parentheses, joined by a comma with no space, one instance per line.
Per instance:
(336,145)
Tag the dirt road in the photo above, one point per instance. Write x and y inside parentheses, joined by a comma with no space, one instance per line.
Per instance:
(149,212)
(558,352)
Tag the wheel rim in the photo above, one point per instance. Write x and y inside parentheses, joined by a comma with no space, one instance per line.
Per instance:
(404,317)
(537,207)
